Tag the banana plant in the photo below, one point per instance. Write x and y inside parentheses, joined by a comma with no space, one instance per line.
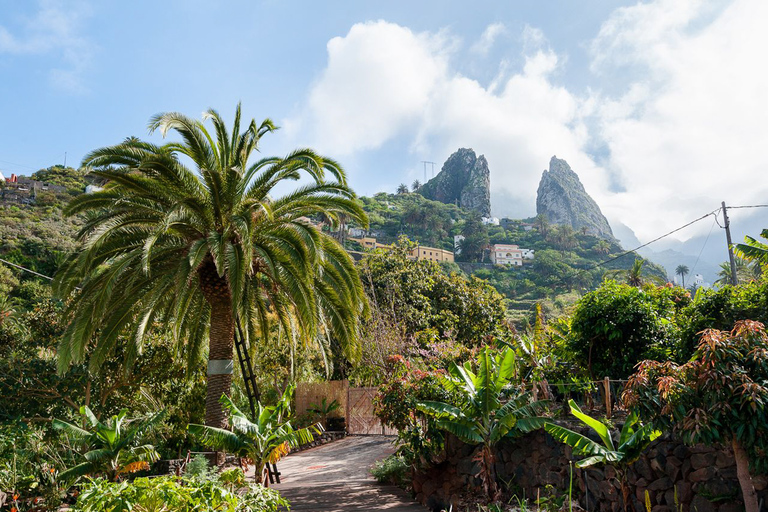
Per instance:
(266,439)
(633,440)
(110,446)
(482,417)
(324,409)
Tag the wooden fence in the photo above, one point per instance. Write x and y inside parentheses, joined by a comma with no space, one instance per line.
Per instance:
(356,405)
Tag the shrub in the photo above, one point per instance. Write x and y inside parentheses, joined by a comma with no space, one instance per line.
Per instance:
(392,470)
(179,495)
(617,326)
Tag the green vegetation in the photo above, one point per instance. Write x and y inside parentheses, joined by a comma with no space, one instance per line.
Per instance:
(182,495)
(616,326)
(484,413)
(719,396)
(633,440)
(266,438)
(207,250)
(110,446)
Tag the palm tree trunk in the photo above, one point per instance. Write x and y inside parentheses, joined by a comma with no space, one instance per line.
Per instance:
(220,344)
(745,479)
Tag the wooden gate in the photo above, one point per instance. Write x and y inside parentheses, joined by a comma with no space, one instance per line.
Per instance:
(360,417)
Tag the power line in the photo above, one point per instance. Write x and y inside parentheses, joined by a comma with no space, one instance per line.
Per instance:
(641,246)
(747,206)
(705,244)
(610,260)
(25,269)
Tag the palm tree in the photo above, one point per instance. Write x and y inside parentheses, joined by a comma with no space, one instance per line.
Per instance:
(207,249)
(682,271)
(402,189)
(746,271)
(416,185)
(633,276)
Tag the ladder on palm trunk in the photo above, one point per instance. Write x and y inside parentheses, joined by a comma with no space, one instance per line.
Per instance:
(242,347)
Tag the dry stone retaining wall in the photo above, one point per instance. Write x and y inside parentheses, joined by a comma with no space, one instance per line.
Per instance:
(699,478)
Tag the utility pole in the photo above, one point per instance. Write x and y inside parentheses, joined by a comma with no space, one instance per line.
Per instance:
(425,169)
(65,159)
(734,277)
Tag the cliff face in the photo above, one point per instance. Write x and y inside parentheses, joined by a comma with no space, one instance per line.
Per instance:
(464,180)
(562,198)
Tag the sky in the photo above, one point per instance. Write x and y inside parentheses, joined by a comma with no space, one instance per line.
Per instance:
(660,106)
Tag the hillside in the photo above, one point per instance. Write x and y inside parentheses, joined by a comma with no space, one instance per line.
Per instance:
(564,266)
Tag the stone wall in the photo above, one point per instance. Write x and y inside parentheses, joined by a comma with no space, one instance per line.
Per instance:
(698,478)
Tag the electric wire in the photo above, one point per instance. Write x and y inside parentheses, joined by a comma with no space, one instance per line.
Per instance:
(610,260)
(703,246)
(25,269)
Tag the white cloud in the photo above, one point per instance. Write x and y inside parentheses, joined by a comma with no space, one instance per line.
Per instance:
(690,131)
(383,81)
(377,80)
(686,130)
(53,31)
(488,38)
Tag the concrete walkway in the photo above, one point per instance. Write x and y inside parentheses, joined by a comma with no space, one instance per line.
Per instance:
(335,478)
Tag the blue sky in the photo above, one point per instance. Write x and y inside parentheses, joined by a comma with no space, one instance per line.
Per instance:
(652,103)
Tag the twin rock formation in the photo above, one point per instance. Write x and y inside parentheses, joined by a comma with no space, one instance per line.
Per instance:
(465,180)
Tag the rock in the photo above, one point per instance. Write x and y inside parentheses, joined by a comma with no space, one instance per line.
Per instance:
(658,464)
(680,451)
(731,507)
(702,460)
(724,459)
(644,469)
(662,484)
(702,504)
(562,199)
(760,482)
(672,468)
(464,179)
(702,475)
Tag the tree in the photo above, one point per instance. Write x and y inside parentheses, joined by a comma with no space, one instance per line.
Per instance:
(111,446)
(475,240)
(682,271)
(481,417)
(602,247)
(618,325)
(541,223)
(754,250)
(633,440)
(719,396)
(416,185)
(209,250)
(402,188)
(634,276)
(267,438)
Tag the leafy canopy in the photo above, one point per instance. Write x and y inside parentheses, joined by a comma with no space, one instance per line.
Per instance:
(160,230)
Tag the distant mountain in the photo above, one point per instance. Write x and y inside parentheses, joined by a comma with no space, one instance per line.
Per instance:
(563,199)
(464,180)
(670,253)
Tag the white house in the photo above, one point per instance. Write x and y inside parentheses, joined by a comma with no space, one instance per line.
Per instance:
(505,254)
(527,254)
(491,221)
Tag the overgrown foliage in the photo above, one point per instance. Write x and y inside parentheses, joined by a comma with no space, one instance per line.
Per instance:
(618,325)
(719,396)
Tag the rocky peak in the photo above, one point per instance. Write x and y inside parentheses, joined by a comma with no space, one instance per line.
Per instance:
(465,179)
(562,198)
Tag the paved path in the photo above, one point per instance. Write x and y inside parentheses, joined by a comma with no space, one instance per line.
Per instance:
(334,478)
